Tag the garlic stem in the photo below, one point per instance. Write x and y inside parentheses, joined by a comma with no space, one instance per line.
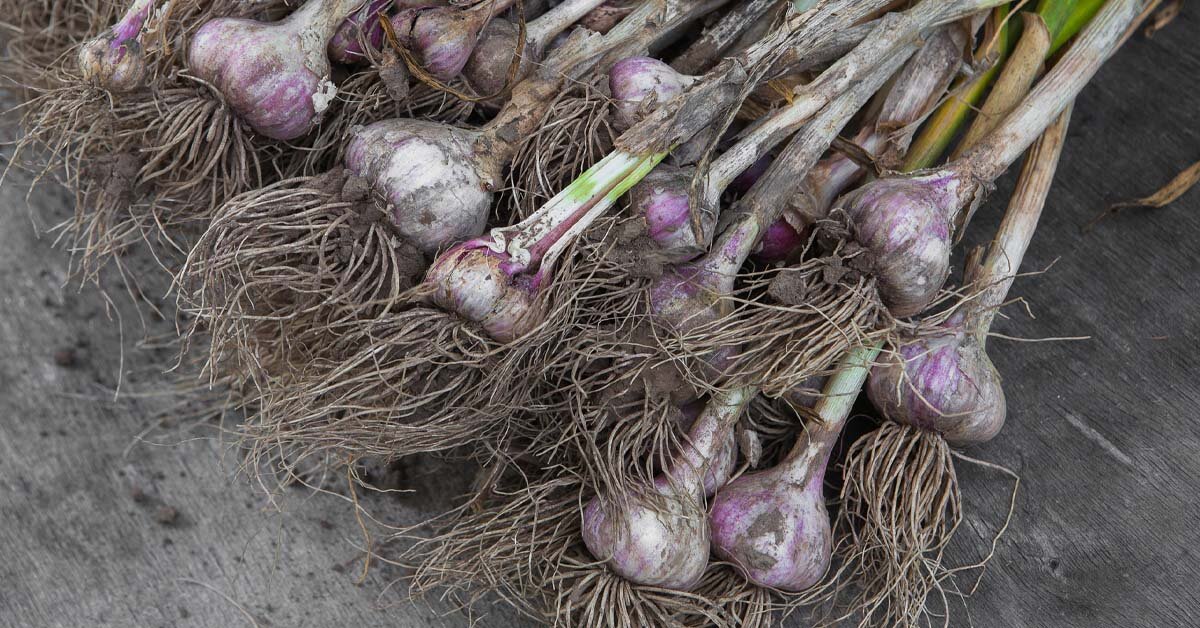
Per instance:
(1004,256)
(945,123)
(540,31)
(322,17)
(131,23)
(1020,70)
(718,37)
(723,86)
(708,433)
(807,460)
(537,240)
(1003,146)
(765,201)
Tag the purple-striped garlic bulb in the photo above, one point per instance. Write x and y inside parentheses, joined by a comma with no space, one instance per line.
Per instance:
(275,76)
(668,196)
(487,69)
(780,242)
(443,38)
(660,536)
(663,200)
(485,287)
(906,223)
(693,296)
(639,85)
(772,525)
(439,179)
(943,382)
(436,177)
(115,60)
(346,45)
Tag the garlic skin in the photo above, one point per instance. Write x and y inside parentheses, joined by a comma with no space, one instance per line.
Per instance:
(780,242)
(663,200)
(906,223)
(774,527)
(273,75)
(788,236)
(659,539)
(486,71)
(724,463)
(660,536)
(782,239)
(688,296)
(945,384)
(639,85)
(444,38)
(119,68)
(692,294)
(429,173)
(476,283)
(115,60)
(345,48)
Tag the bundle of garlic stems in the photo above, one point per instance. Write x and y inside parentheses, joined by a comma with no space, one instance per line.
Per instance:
(504,281)
(626,510)
(634,258)
(529,249)
(626,530)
